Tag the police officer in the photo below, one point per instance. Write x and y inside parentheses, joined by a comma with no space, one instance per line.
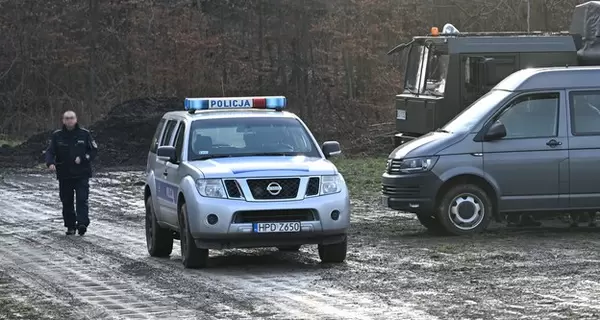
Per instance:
(70,153)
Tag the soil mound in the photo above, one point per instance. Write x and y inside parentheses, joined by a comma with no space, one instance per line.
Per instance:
(123,136)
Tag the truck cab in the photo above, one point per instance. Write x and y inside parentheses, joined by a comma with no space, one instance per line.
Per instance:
(447,72)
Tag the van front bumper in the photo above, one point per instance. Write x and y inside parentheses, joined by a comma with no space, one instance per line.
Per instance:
(414,193)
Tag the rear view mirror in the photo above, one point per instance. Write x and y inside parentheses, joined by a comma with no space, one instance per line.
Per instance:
(495,132)
(166,153)
(331,148)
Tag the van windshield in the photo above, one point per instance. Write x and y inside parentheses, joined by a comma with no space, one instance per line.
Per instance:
(471,116)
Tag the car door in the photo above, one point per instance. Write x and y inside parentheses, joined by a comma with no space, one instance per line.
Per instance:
(530,164)
(584,149)
(165,190)
(173,175)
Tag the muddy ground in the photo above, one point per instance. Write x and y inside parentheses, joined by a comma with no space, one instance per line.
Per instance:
(395,270)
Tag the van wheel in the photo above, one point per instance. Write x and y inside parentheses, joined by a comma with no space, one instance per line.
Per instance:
(191,256)
(158,240)
(432,223)
(465,209)
(333,253)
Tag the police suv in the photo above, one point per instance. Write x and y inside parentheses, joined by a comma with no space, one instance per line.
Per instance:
(242,173)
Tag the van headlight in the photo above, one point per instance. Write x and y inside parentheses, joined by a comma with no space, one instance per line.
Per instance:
(413,165)
(331,184)
(211,188)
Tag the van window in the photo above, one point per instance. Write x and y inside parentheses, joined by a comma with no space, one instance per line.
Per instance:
(476,112)
(166,138)
(154,144)
(585,112)
(531,116)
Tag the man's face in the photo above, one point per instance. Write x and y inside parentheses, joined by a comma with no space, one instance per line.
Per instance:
(69,120)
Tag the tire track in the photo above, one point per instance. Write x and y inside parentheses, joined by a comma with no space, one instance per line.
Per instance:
(116,268)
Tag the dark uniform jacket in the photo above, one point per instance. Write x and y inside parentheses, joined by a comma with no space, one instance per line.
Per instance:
(65,147)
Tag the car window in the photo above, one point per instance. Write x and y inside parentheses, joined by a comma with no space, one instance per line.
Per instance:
(532,116)
(585,112)
(180,137)
(154,144)
(255,136)
(166,138)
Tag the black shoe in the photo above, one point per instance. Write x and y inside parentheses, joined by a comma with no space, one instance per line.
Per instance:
(81,230)
(70,231)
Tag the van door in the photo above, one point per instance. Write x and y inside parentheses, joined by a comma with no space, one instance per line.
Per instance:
(584,149)
(165,191)
(527,163)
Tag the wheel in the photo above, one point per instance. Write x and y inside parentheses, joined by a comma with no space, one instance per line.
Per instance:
(191,256)
(158,240)
(333,253)
(431,223)
(289,248)
(465,209)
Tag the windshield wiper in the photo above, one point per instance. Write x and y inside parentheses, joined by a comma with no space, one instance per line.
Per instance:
(263,154)
(442,130)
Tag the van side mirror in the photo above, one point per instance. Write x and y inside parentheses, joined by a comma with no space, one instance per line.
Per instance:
(495,132)
(166,153)
(331,148)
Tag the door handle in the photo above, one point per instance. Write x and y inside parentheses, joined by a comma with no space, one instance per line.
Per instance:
(553,143)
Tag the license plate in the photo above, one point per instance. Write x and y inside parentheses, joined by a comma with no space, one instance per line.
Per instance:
(384,201)
(273,227)
(401,114)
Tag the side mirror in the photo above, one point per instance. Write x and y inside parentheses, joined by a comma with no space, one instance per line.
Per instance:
(166,153)
(331,148)
(495,132)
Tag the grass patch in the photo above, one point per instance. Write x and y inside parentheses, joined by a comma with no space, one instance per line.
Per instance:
(362,175)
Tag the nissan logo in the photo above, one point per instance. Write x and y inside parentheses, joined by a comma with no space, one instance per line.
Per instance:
(274,188)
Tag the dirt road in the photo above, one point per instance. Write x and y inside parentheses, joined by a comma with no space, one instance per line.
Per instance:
(394,270)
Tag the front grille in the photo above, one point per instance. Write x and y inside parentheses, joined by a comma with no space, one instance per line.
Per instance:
(312,188)
(288,188)
(401,192)
(233,189)
(275,216)
(394,167)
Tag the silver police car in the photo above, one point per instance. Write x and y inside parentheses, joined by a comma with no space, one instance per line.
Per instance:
(242,173)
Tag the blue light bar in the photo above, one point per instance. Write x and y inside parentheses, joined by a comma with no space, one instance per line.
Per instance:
(273,102)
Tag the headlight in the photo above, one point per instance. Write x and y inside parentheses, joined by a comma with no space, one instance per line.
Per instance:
(212,188)
(331,184)
(413,165)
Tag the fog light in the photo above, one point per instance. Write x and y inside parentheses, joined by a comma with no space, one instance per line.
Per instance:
(212,219)
(335,214)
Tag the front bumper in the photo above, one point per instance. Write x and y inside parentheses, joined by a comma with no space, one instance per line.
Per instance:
(410,192)
(231,232)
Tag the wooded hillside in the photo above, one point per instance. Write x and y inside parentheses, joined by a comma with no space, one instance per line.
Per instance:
(327,56)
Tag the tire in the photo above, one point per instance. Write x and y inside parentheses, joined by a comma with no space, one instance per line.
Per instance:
(477,213)
(289,248)
(432,223)
(192,257)
(159,241)
(333,253)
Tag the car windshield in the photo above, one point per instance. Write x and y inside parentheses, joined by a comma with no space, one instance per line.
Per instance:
(253,136)
(426,70)
(466,120)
